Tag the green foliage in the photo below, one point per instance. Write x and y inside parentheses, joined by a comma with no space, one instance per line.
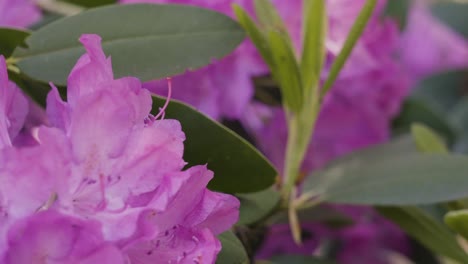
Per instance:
(452,14)
(458,221)
(398,10)
(160,41)
(90,3)
(429,232)
(427,141)
(232,251)
(297,259)
(11,38)
(238,166)
(385,175)
(313,50)
(257,206)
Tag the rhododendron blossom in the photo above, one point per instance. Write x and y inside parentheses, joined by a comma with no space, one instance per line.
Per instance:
(106,183)
(18,13)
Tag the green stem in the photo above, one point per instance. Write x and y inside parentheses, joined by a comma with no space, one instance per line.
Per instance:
(300,128)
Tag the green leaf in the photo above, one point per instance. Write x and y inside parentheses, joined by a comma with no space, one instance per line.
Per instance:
(458,221)
(426,230)
(441,91)
(313,51)
(353,36)
(256,206)
(298,259)
(286,70)
(232,251)
(453,14)
(159,41)
(427,140)
(238,166)
(415,110)
(11,38)
(381,176)
(90,3)
(320,214)
(398,10)
(268,16)
(255,34)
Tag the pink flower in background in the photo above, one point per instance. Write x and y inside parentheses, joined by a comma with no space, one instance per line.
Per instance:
(429,46)
(13,107)
(18,13)
(224,88)
(112,184)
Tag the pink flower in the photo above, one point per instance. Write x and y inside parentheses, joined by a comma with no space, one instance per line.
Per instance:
(428,46)
(49,237)
(108,167)
(13,107)
(18,13)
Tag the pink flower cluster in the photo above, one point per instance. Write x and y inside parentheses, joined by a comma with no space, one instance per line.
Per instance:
(18,13)
(105,182)
(357,112)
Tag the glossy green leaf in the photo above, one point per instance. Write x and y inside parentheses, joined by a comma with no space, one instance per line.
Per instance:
(353,36)
(427,140)
(237,165)
(298,259)
(426,230)
(255,34)
(381,176)
(313,51)
(232,251)
(286,70)
(11,38)
(144,40)
(256,206)
(458,221)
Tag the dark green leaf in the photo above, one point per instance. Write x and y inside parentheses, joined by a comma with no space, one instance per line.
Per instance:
(238,166)
(232,251)
(426,230)
(353,36)
(441,91)
(458,221)
(298,259)
(382,176)
(11,38)
(453,14)
(324,215)
(146,41)
(257,206)
(91,3)
(398,10)
(414,110)
(458,117)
